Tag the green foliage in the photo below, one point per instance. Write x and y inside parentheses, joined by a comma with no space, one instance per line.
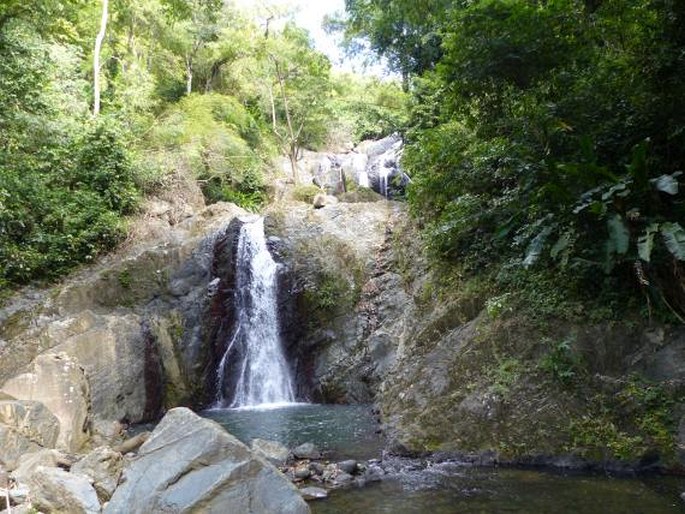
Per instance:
(551,135)
(644,411)
(306,193)
(563,364)
(216,140)
(367,108)
(505,375)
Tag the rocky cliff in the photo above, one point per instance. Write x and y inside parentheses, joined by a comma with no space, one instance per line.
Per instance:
(365,319)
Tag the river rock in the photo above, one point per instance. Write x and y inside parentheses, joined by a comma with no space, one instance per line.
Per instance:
(302,473)
(191,464)
(313,493)
(317,468)
(348,466)
(57,381)
(272,451)
(103,466)
(306,451)
(47,458)
(55,490)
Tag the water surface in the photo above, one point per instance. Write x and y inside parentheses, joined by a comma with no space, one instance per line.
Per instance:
(343,431)
(446,488)
(449,489)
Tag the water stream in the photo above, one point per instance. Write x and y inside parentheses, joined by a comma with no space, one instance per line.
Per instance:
(264,376)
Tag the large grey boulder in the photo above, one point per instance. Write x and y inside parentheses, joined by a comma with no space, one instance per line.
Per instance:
(55,490)
(57,381)
(191,464)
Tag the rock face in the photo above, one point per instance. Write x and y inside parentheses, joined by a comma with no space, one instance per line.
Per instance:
(119,342)
(25,426)
(57,381)
(191,464)
(272,451)
(343,306)
(371,164)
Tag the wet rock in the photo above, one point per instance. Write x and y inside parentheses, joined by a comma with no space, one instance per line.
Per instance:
(55,490)
(103,466)
(313,493)
(57,381)
(317,468)
(272,451)
(192,464)
(348,466)
(302,473)
(343,478)
(306,451)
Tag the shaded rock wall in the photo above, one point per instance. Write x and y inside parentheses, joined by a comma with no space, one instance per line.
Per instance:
(337,322)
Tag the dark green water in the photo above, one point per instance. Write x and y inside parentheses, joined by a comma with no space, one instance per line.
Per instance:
(478,490)
(342,431)
(446,488)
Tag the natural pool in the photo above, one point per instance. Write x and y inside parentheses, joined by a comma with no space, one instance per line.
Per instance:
(343,431)
(412,487)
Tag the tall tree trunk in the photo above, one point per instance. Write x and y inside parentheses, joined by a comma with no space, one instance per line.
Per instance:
(189,75)
(96,58)
(292,136)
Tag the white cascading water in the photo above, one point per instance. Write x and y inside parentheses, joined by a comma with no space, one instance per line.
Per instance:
(264,375)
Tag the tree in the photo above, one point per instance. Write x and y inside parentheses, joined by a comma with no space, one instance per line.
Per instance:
(96,57)
(298,92)
(406,32)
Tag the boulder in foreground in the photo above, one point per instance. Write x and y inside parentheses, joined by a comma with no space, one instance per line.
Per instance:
(191,464)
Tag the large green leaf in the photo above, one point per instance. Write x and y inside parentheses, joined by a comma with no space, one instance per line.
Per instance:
(619,235)
(645,243)
(674,237)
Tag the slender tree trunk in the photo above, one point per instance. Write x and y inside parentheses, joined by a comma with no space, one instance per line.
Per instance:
(294,146)
(189,75)
(96,58)
(273,108)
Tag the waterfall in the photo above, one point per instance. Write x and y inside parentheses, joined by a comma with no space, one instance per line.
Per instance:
(263,373)
(363,179)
